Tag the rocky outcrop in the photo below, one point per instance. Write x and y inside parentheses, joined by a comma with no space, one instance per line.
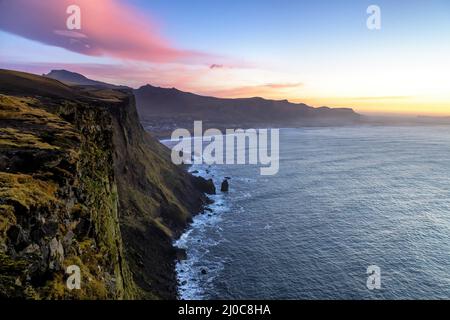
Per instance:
(82,184)
(206,186)
(225,186)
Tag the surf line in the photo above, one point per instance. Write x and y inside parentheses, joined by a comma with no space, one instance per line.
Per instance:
(236,146)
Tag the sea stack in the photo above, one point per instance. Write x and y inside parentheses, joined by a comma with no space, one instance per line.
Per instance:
(225,186)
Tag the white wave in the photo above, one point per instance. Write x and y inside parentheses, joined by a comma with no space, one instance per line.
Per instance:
(197,241)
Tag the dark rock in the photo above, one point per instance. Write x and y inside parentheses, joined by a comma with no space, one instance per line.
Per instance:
(36,234)
(205,186)
(50,228)
(83,228)
(14,233)
(18,237)
(68,238)
(180,254)
(225,187)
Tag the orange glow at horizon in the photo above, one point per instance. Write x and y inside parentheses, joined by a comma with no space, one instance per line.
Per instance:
(427,106)
(393,106)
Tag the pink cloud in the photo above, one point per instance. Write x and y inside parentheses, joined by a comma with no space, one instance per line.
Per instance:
(192,78)
(108,28)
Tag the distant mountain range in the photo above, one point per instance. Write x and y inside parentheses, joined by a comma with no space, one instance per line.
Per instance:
(162,109)
(73,78)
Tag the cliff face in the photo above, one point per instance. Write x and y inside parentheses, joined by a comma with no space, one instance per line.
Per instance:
(156,200)
(82,184)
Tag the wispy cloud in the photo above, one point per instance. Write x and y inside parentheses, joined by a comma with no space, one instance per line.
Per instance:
(382,98)
(109,28)
(282,85)
(264,90)
(216,66)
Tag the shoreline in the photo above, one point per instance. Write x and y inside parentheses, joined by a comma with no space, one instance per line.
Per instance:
(187,288)
(189,275)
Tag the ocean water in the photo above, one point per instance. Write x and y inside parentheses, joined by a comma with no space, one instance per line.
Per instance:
(344,199)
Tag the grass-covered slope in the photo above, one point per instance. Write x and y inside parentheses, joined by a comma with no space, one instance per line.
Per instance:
(82,184)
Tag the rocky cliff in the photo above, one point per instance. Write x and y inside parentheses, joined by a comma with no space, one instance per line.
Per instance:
(82,184)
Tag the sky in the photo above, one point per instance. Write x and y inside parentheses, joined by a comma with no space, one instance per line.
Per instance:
(317,52)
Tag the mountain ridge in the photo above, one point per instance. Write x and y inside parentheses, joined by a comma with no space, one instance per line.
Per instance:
(162,110)
(74,78)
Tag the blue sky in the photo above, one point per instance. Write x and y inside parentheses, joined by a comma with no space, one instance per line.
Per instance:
(236,27)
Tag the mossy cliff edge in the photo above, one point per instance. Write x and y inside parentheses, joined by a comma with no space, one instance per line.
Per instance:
(82,184)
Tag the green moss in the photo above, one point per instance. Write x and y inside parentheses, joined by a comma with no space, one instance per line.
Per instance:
(96,180)
(12,138)
(7,219)
(26,190)
(47,131)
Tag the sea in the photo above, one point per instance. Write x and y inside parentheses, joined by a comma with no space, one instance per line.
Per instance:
(345,199)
